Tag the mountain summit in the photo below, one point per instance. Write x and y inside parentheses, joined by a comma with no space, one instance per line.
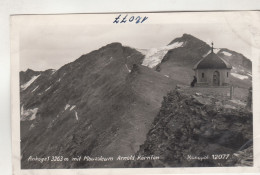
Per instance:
(96,105)
(191,42)
(105,102)
(178,62)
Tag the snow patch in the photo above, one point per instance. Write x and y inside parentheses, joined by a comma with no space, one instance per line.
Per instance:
(72,107)
(127,68)
(47,89)
(216,50)
(35,89)
(29,114)
(67,106)
(206,54)
(32,126)
(59,80)
(53,71)
(238,102)
(34,112)
(76,115)
(226,53)
(154,56)
(241,77)
(166,76)
(26,85)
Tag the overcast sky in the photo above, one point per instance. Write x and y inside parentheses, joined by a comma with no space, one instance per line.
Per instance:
(49,42)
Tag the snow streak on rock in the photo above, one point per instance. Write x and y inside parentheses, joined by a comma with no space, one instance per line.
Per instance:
(47,89)
(127,68)
(34,112)
(226,53)
(29,114)
(32,126)
(206,53)
(155,55)
(67,106)
(76,115)
(35,89)
(27,84)
(53,71)
(72,107)
(241,77)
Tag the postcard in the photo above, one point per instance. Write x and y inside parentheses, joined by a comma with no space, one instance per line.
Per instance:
(135,93)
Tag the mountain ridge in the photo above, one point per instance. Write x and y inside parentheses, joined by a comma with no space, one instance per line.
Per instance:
(89,107)
(103,103)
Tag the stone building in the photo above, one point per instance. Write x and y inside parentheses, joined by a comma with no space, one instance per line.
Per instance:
(212,71)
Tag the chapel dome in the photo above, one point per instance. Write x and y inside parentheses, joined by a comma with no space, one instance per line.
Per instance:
(212,61)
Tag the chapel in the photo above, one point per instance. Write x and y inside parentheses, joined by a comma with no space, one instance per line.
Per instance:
(212,70)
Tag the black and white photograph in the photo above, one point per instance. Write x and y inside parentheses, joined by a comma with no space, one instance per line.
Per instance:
(135,90)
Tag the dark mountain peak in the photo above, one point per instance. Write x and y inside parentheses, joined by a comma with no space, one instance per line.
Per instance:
(188,40)
(105,51)
(189,54)
(27,75)
(29,70)
(231,52)
(114,45)
(188,36)
(192,44)
(235,58)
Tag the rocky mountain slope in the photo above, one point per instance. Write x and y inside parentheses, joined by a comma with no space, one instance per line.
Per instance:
(241,74)
(194,129)
(178,58)
(178,63)
(105,102)
(95,106)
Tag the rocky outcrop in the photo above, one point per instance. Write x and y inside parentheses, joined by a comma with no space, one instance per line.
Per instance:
(193,130)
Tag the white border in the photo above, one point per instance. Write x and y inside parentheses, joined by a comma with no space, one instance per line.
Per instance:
(8,8)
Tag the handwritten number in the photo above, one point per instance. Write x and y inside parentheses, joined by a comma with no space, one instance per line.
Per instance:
(124,21)
(117,19)
(138,18)
(145,18)
(131,19)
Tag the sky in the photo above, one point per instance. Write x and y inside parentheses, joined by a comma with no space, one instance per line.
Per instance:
(50,41)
